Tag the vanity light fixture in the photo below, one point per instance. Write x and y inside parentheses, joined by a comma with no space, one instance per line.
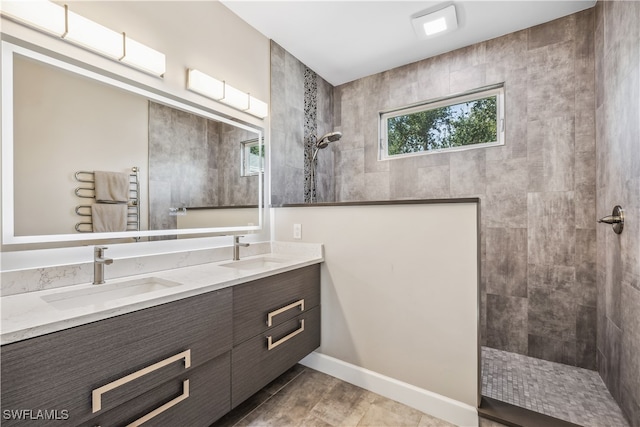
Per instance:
(235,98)
(435,23)
(141,56)
(61,22)
(219,90)
(201,83)
(258,108)
(92,35)
(41,14)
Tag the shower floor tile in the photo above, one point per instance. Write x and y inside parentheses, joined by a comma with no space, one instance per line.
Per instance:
(572,394)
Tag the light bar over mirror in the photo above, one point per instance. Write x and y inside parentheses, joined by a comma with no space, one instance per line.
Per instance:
(219,90)
(61,22)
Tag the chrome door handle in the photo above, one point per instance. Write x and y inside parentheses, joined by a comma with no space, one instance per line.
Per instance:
(274,313)
(96,394)
(271,345)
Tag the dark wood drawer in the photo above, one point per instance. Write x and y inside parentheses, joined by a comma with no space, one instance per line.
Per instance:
(253,365)
(59,371)
(253,301)
(208,399)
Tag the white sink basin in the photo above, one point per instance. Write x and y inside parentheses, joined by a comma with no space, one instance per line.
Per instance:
(255,263)
(99,294)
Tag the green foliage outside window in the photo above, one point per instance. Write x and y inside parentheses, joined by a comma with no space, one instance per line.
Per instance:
(256,150)
(467,123)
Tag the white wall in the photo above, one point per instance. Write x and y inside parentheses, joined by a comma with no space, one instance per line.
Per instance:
(55,112)
(399,290)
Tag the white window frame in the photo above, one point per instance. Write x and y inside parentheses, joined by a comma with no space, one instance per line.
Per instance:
(484,92)
(246,167)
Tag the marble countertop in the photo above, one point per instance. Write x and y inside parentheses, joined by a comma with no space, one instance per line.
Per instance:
(29,314)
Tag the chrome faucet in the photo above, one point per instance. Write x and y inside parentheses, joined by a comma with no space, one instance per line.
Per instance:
(99,262)
(236,247)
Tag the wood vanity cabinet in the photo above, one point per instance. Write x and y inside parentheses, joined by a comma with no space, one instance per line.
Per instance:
(208,399)
(276,322)
(184,363)
(60,371)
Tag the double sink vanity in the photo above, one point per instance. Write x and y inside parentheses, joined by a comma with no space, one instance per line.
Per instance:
(193,337)
(176,347)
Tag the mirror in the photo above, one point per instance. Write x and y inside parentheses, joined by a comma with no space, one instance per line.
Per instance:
(186,166)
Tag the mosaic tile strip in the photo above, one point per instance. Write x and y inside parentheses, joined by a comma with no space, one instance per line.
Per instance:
(572,394)
(310,130)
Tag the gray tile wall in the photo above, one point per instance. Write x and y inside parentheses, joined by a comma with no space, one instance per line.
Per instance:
(194,162)
(301,110)
(325,183)
(287,127)
(175,135)
(232,188)
(617,53)
(537,191)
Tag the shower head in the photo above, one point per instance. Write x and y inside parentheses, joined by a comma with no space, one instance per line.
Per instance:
(328,138)
(321,143)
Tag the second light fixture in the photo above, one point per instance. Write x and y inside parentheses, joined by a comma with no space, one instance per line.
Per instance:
(219,90)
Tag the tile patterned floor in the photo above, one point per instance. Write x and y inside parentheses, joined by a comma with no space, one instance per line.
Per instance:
(566,392)
(305,397)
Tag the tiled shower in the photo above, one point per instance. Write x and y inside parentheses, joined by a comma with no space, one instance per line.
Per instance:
(554,285)
(617,53)
(193,162)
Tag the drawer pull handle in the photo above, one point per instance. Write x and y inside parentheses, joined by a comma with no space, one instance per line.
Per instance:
(271,345)
(96,395)
(161,409)
(274,313)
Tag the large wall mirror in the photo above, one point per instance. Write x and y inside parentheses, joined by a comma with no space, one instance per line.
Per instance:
(64,127)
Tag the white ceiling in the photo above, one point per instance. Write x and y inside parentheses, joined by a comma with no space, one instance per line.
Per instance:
(346,40)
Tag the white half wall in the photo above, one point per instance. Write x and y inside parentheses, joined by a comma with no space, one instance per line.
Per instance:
(226,217)
(399,296)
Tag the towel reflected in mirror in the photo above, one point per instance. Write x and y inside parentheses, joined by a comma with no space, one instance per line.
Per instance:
(108,217)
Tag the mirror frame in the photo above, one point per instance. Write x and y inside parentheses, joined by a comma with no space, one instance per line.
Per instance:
(8,232)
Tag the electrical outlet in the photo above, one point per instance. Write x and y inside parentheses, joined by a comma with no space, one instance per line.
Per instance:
(297,231)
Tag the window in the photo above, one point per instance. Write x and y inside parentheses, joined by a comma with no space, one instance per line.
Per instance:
(474,119)
(252,157)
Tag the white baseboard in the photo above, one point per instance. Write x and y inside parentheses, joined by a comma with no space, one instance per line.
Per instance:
(439,406)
